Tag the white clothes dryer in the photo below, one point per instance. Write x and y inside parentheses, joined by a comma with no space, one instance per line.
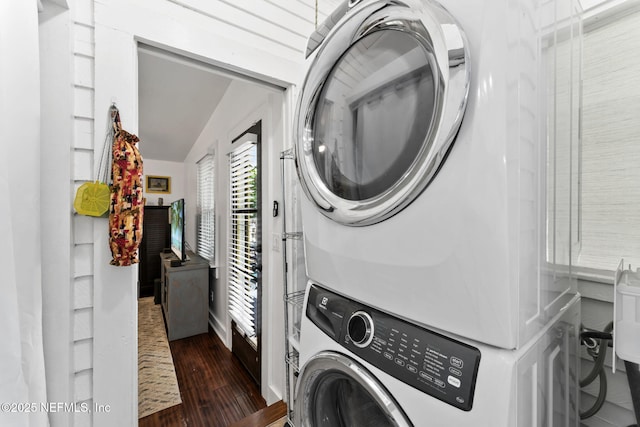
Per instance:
(363,367)
(434,142)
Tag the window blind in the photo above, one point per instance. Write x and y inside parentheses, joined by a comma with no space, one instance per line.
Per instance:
(205,208)
(243,279)
(610,176)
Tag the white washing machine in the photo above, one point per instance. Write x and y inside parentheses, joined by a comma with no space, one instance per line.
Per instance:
(364,367)
(435,143)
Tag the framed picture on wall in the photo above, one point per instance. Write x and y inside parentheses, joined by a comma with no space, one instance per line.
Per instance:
(158,184)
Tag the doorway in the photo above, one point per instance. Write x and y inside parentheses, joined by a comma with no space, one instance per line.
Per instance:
(236,104)
(245,249)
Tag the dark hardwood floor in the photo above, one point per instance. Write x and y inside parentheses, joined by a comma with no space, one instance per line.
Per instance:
(216,390)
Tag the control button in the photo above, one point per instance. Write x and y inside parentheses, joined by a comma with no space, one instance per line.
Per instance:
(440,383)
(460,399)
(399,362)
(456,362)
(360,329)
(455,371)
(426,376)
(388,356)
(412,368)
(453,381)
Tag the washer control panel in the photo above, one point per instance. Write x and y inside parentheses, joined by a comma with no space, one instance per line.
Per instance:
(437,365)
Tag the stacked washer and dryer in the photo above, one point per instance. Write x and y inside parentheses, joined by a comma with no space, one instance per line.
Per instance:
(436,144)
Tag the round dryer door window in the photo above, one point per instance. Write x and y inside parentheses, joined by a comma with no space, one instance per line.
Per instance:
(334,390)
(380,107)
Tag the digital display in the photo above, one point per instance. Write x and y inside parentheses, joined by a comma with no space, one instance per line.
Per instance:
(177,229)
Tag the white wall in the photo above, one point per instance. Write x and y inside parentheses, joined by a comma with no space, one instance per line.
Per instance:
(242,106)
(174,170)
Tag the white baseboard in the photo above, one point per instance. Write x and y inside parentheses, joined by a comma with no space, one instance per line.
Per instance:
(273,395)
(218,327)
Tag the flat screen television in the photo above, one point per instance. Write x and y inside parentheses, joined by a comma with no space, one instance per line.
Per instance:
(177,230)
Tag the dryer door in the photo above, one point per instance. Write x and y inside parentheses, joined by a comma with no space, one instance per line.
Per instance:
(380,106)
(334,390)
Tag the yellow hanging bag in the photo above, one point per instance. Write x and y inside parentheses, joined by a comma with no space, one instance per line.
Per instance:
(94,198)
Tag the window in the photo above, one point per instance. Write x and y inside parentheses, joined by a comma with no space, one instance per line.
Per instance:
(243,274)
(610,176)
(205,214)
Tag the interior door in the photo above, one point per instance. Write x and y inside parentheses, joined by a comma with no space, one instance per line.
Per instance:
(245,249)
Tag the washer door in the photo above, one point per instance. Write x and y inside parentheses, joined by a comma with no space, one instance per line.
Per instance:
(336,391)
(380,106)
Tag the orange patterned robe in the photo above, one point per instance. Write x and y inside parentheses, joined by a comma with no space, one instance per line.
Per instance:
(127,202)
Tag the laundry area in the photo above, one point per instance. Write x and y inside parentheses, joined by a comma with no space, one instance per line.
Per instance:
(320,213)
(438,146)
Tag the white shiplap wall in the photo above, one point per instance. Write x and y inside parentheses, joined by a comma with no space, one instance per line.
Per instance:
(84,163)
(279,27)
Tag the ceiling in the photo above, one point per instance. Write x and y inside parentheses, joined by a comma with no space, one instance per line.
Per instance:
(176,98)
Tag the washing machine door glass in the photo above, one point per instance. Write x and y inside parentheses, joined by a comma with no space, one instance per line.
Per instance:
(379,109)
(335,391)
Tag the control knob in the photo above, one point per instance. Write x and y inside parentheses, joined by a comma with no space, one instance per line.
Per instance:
(360,329)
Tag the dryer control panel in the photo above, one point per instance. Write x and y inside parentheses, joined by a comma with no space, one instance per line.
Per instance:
(433,363)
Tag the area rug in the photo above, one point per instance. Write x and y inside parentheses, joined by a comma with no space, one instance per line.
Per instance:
(157,382)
